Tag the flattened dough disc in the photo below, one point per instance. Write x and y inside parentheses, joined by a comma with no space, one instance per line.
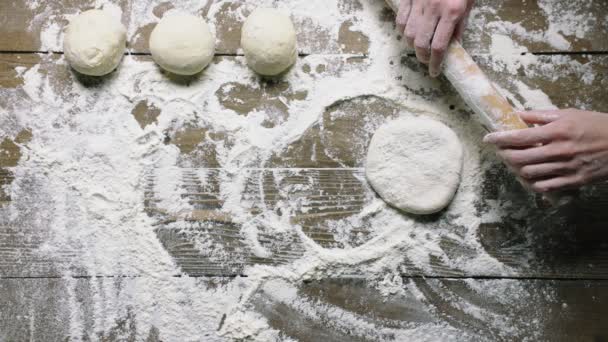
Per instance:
(415,164)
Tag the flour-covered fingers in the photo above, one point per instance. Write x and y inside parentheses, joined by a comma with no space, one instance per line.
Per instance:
(441,41)
(413,23)
(521,137)
(532,155)
(545,170)
(542,117)
(424,36)
(403,15)
(573,181)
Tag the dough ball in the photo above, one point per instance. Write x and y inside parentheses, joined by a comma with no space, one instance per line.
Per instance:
(268,39)
(95,42)
(415,164)
(182,44)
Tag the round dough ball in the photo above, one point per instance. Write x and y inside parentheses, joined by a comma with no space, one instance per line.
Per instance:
(269,41)
(95,42)
(415,164)
(182,44)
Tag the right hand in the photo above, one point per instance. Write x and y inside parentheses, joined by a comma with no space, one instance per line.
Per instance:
(430,25)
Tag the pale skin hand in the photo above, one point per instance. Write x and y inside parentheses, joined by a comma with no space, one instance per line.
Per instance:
(430,25)
(568,150)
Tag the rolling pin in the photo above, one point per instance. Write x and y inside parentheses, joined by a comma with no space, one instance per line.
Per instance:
(491,109)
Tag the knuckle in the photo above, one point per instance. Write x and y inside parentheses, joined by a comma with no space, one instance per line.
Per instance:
(456,9)
(401,20)
(419,44)
(438,48)
(566,129)
(515,159)
(434,5)
(540,188)
(567,150)
(410,34)
(580,179)
(561,131)
(568,167)
(507,157)
(577,180)
(526,172)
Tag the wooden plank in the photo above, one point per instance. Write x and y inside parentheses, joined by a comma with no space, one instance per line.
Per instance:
(23,22)
(437,309)
(395,309)
(568,81)
(10,154)
(87,309)
(540,25)
(34,26)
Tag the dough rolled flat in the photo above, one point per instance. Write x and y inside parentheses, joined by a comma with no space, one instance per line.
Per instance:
(415,164)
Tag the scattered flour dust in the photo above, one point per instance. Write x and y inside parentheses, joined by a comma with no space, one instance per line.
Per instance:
(83,177)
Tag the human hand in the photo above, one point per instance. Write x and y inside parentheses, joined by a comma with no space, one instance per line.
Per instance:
(569,150)
(429,26)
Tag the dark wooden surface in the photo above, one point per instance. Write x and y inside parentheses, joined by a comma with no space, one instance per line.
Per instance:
(556,310)
(558,261)
(22,24)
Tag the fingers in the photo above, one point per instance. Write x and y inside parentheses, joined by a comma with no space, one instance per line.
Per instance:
(403,15)
(534,155)
(543,171)
(520,138)
(411,28)
(539,154)
(422,43)
(541,116)
(441,40)
(428,26)
(559,183)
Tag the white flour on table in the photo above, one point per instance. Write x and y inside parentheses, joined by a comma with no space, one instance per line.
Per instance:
(89,158)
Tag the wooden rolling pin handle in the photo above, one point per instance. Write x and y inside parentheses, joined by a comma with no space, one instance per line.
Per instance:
(493,111)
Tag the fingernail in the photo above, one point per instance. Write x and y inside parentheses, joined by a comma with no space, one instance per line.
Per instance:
(489,138)
(434,73)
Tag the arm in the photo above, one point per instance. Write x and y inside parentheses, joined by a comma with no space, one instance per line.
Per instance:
(429,26)
(567,150)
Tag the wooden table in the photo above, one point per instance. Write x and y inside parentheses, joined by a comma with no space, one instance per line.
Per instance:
(560,259)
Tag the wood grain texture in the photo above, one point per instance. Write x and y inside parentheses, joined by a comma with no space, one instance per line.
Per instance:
(572,244)
(23,21)
(21,24)
(465,309)
(536,310)
(326,203)
(336,192)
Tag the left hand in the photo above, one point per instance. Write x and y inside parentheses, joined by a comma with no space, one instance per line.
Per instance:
(430,25)
(568,150)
